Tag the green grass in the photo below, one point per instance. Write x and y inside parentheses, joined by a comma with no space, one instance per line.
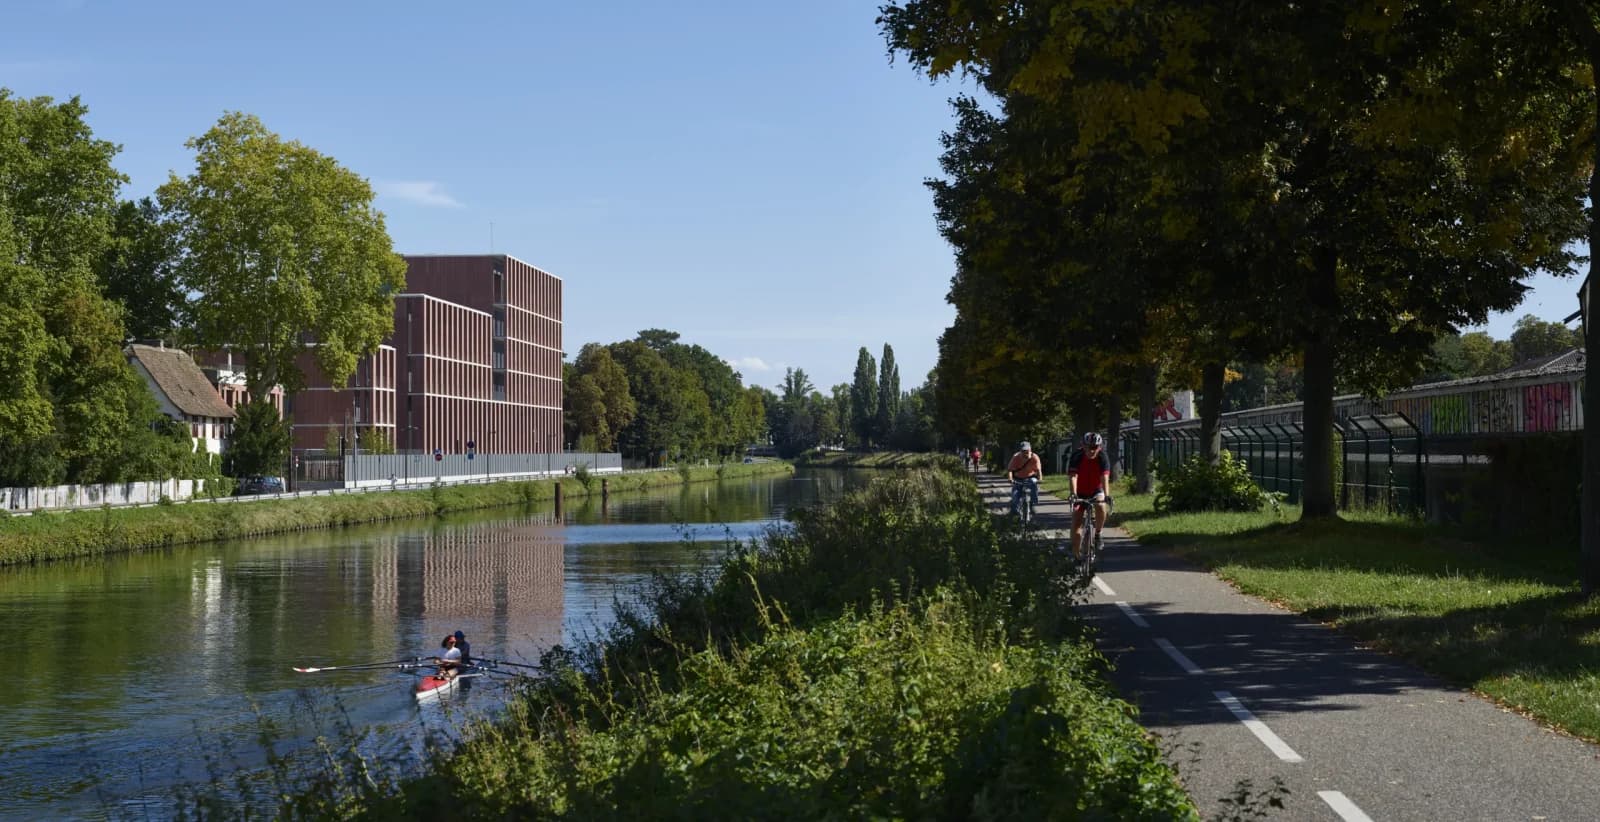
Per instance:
(62,535)
(876,459)
(1502,618)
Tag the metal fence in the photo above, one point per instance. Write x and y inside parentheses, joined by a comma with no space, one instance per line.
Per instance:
(377,469)
(1381,462)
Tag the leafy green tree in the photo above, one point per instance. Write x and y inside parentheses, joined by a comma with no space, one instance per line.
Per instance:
(70,405)
(864,398)
(259,445)
(888,396)
(1534,339)
(139,271)
(280,244)
(841,411)
(1483,355)
(598,398)
(660,427)
(1324,118)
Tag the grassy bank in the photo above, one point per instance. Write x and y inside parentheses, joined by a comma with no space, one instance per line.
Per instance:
(877,459)
(1502,618)
(61,535)
(892,656)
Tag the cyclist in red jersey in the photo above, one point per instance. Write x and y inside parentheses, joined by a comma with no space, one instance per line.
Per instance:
(1089,473)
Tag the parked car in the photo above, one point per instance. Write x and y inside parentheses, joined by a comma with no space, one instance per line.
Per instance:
(260,485)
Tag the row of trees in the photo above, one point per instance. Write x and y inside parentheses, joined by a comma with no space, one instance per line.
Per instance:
(1163,188)
(265,245)
(657,399)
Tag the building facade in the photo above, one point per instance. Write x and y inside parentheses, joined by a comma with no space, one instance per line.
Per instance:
(184,394)
(361,409)
(478,351)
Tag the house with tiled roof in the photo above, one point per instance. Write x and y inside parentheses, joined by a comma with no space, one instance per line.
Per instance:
(184,393)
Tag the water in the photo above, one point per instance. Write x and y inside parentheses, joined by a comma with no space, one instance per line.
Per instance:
(127,673)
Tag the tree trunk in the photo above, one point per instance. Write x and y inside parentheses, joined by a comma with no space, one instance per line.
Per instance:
(1322,331)
(1147,429)
(1212,378)
(1114,436)
(1589,504)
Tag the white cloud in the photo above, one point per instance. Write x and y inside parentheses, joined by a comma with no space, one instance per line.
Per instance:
(418,192)
(752,364)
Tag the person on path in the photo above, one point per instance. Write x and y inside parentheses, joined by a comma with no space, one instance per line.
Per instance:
(1024,472)
(1089,474)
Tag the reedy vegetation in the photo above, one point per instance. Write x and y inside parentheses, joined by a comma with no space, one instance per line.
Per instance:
(890,656)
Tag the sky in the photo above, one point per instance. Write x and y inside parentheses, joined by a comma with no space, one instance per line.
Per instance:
(748,174)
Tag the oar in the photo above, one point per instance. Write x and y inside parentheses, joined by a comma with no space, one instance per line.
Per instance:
(497,662)
(397,662)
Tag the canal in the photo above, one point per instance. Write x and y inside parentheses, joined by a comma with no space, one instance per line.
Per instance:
(133,676)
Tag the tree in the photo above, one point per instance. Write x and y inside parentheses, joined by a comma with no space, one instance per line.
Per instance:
(864,398)
(70,406)
(260,442)
(281,245)
(598,399)
(1534,339)
(841,412)
(660,427)
(138,270)
(1483,355)
(888,396)
(1325,121)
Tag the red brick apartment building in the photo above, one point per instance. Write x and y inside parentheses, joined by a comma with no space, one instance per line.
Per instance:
(478,345)
(475,357)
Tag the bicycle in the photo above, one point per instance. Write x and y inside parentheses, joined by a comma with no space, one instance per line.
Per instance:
(1022,498)
(1089,545)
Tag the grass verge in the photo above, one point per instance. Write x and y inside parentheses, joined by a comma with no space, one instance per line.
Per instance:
(892,656)
(1503,618)
(63,535)
(877,459)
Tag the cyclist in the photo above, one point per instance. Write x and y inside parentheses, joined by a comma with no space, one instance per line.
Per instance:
(1024,472)
(1089,474)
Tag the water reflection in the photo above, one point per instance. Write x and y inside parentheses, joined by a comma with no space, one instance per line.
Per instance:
(132,664)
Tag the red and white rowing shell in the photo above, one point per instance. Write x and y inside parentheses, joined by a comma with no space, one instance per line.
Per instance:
(434,686)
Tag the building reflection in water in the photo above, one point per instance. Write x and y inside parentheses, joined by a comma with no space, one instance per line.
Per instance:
(501,583)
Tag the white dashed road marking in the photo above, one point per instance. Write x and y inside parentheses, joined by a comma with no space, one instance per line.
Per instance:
(1257,727)
(1184,662)
(1133,616)
(1342,806)
(1104,588)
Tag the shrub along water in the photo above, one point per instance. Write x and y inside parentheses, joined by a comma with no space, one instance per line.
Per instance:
(891,656)
(62,535)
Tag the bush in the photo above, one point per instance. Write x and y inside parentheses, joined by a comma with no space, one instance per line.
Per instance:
(1196,485)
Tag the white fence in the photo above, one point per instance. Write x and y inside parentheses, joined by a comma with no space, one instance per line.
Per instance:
(369,470)
(51,497)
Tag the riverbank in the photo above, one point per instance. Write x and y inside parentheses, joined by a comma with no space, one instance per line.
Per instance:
(892,656)
(49,536)
(899,460)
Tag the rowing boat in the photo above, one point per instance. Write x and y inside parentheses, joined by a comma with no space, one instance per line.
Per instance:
(433,686)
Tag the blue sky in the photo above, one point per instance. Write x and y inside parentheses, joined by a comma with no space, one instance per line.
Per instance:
(748,174)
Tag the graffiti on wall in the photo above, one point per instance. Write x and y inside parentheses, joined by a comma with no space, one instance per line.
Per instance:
(1546,407)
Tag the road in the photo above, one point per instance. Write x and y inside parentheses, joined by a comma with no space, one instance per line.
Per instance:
(1239,689)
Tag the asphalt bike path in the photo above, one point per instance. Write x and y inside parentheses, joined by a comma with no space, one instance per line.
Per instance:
(1239,689)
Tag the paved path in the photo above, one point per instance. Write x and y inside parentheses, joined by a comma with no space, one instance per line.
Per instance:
(1239,689)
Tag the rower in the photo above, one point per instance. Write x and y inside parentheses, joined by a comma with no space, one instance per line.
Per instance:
(466,648)
(450,660)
